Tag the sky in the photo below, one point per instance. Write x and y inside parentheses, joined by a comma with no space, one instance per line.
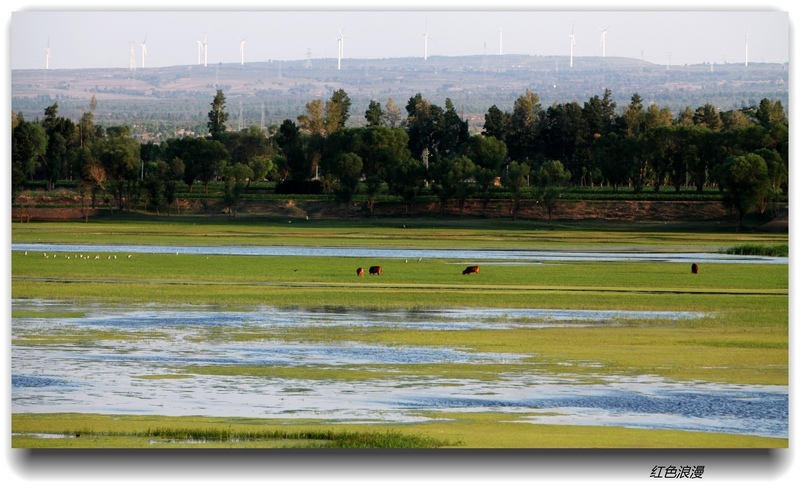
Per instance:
(93,36)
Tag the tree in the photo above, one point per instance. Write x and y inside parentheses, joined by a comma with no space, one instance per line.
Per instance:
(61,138)
(209,159)
(599,114)
(28,146)
(392,117)
(455,131)
(119,155)
(338,110)
(489,155)
(407,180)
(217,117)
(550,178)
(262,167)
(707,117)
(566,137)
(524,127)
(236,177)
(497,124)
(381,149)
(374,114)
(453,178)
(425,127)
(348,173)
(770,113)
(632,118)
(243,145)
(613,155)
(292,146)
(746,182)
(515,179)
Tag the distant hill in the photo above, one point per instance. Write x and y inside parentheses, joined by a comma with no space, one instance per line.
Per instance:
(262,93)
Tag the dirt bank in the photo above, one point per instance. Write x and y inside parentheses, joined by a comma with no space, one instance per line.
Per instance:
(66,205)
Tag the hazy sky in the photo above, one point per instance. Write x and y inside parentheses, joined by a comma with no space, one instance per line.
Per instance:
(90,35)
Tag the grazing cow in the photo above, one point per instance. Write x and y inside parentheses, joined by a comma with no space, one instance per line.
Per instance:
(472,269)
(695,268)
(375,270)
(360,272)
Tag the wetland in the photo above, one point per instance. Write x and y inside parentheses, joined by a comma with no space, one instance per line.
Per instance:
(540,340)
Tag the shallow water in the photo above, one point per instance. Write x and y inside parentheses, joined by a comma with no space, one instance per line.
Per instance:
(119,376)
(521,256)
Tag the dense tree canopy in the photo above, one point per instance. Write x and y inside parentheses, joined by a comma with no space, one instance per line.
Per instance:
(743,152)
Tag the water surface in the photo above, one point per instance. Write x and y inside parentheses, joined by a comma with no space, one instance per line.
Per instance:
(144,374)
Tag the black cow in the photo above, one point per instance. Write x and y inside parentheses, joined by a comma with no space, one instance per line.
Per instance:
(375,270)
(472,269)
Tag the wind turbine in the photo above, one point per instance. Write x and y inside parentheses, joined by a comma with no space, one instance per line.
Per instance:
(746,46)
(340,41)
(144,50)
(571,44)
(426,38)
(47,55)
(241,49)
(603,39)
(501,40)
(202,51)
(205,51)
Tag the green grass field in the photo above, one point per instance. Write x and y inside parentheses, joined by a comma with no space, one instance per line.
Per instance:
(743,339)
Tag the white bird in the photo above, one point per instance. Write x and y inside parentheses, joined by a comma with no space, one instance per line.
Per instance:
(129,256)
(45,254)
(26,252)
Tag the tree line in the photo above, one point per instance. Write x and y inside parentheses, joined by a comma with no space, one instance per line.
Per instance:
(529,151)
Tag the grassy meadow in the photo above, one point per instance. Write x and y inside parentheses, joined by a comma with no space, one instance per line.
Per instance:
(742,338)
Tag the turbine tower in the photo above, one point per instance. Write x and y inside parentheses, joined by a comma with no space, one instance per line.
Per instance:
(603,39)
(571,44)
(132,62)
(144,50)
(47,55)
(241,49)
(746,46)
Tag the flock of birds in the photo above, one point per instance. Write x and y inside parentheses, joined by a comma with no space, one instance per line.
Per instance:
(79,256)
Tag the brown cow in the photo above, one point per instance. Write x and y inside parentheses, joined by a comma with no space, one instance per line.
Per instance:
(360,272)
(695,269)
(375,270)
(472,269)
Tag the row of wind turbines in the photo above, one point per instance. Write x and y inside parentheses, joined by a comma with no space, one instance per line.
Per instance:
(202,48)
